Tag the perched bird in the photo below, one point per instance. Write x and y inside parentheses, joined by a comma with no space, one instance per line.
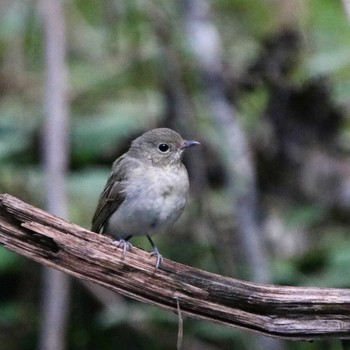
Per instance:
(147,189)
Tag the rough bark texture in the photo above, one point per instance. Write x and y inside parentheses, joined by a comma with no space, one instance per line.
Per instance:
(280,311)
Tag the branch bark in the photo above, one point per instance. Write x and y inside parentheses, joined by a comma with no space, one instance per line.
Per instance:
(279,311)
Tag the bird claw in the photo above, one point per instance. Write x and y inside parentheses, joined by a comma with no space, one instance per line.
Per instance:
(155,252)
(126,246)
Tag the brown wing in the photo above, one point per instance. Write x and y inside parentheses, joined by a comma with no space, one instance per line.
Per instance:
(112,195)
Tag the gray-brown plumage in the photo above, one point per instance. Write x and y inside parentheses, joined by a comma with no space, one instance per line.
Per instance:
(147,189)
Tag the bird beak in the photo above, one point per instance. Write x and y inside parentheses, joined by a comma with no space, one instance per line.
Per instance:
(189,143)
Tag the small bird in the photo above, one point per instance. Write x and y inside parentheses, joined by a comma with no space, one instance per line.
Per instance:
(147,189)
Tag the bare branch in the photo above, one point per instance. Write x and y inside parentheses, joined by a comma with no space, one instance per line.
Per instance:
(205,42)
(56,285)
(346,4)
(279,311)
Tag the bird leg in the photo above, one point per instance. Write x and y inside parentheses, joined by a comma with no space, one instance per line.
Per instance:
(126,245)
(155,252)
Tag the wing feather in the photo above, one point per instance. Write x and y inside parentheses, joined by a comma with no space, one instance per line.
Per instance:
(113,194)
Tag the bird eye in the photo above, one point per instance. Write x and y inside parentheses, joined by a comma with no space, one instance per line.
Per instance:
(163,147)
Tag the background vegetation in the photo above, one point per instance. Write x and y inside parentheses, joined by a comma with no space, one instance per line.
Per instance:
(286,73)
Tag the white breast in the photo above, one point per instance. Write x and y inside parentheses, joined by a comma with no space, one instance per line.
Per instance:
(155,199)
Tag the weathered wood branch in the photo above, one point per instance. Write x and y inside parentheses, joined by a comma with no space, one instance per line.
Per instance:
(279,311)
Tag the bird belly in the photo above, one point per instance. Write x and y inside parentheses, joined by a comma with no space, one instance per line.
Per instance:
(149,208)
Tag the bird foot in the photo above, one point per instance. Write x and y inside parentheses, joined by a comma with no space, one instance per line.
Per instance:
(125,244)
(156,253)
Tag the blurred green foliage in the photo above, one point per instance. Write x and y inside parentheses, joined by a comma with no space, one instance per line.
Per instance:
(117,76)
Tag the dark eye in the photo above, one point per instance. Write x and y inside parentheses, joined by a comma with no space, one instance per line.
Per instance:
(163,147)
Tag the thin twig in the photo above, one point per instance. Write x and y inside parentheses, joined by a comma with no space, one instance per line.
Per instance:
(180,331)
